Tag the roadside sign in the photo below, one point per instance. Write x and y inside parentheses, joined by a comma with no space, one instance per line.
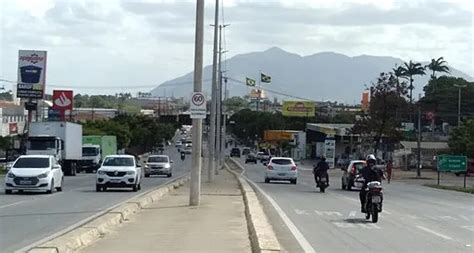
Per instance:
(451,163)
(63,99)
(330,151)
(198,106)
(31,74)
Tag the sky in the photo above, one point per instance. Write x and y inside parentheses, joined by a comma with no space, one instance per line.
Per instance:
(111,46)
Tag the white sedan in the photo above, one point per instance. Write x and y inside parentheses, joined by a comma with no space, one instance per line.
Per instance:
(119,171)
(34,173)
(281,168)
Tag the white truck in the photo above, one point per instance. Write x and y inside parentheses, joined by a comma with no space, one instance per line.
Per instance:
(60,139)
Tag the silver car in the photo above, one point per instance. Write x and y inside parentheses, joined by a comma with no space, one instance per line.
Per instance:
(158,165)
(281,168)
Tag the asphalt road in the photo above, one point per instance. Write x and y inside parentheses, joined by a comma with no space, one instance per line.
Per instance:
(415,218)
(29,217)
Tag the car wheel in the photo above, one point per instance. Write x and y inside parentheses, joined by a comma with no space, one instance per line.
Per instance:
(246,162)
(343,186)
(170,175)
(267,180)
(294,181)
(147,175)
(51,187)
(8,191)
(135,187)
(98,188)
(60,188)
(139,186)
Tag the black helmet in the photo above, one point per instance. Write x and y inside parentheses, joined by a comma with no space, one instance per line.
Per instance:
(323,158)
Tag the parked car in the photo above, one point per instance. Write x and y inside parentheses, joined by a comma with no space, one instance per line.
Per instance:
(246,151)
(34,173)
(350,173)
(158,165)
(251,158)
(235,152)
(281,168)
(119,171)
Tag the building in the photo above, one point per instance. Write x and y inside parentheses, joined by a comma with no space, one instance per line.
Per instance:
(83,114)
(13,118)
(295,141)
(406,156)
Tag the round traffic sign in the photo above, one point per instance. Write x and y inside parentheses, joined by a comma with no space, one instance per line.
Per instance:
(198,99)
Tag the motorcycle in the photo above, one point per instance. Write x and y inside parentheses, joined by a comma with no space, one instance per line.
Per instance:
(374,200)
(322,182)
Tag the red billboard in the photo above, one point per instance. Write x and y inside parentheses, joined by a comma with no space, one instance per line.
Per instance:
(63,100)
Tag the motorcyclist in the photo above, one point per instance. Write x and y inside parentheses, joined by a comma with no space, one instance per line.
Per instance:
(370,173)
(321,169)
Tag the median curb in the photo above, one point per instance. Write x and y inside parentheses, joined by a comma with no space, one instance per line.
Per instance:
(262,236)
(86,234)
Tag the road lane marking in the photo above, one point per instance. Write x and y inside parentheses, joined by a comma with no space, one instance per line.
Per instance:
(328,213)
(434,233)
(344,225)
(468,228)
(352,213)
(301,212)
(304,244)
(369,226)
(13,204)
(464,217)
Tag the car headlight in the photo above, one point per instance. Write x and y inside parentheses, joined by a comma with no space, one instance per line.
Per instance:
(131,172)
(43,175)
(167,166)
(10,175)
(101,172)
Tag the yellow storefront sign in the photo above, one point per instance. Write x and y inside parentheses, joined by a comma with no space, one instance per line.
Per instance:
(277,135)
(298,109)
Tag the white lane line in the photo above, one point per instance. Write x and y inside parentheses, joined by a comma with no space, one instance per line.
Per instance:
(40,197)
(434,233)
(305,245)
(386,211)
(352,214)
(13,204)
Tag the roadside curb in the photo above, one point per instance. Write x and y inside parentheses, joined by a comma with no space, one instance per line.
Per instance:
(262,236)
(86,234)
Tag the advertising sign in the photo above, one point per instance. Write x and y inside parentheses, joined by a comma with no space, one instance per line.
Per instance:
(298,109)
(198,106)
(13,127)
(330,151)
(31,74)
(451,163)
(277,135)
(63,100)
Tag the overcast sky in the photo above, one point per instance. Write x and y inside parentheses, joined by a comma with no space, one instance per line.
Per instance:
(104,45)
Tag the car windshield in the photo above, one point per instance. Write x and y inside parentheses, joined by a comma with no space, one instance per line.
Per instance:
(90,151)
(41,144)
(32,162)
(282,161)
(118,161)
(157,159)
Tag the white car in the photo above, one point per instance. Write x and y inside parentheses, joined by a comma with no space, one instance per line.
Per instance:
(34,173)
(158,165)
(119,171)
(281,168)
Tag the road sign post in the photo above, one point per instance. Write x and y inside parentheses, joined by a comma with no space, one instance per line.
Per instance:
(452,163)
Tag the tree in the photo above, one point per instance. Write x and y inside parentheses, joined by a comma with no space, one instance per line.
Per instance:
(381,121)
(236,104)
(461,140)
(438,65)
(399,72)
(411,69)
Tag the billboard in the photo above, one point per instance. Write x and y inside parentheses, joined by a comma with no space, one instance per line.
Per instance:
(298,108)
(277,135)
(63,100)
(31,74)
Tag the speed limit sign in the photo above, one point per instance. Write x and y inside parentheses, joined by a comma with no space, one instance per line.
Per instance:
(198,106)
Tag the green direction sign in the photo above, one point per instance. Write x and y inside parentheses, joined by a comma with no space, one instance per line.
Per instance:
(452,163)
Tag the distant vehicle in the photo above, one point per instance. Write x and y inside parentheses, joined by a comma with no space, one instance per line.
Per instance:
(94,148)
(188,149)
(62,140)
(264,155)
(158,165)
(281,168)
(251,158)
(246,151)
(235,152)
(349,176)
(119,171)
(34,173)
(178,144)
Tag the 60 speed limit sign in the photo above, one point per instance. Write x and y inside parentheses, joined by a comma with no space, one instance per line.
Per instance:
(198,106)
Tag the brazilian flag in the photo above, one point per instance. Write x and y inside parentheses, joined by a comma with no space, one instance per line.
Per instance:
(250,82)
(265,79)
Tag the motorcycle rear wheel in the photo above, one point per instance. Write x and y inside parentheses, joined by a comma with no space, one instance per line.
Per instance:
(375,216)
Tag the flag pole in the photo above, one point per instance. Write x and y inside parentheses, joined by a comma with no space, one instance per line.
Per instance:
(259,91)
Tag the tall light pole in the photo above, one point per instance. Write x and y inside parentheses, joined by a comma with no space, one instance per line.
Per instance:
(219,133)
(195,188)
(459,86)
(212,136)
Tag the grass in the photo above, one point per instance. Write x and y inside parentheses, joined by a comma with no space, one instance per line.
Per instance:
(452,188)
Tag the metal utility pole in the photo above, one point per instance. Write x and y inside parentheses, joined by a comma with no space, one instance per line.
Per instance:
(212,136)
(224,124)
(195,188)
(219,133)
(418,152)
(459,86)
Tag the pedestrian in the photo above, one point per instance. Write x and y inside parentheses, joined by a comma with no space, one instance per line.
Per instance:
(389,170)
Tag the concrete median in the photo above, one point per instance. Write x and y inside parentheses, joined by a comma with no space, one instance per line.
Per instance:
(262,236)
(86,234)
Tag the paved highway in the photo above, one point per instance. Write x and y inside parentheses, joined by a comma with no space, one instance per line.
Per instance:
(29,217)
(415,218)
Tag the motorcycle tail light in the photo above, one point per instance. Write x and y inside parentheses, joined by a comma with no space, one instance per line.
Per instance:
(269,167)
(353,170)
(293,168)
(377,189)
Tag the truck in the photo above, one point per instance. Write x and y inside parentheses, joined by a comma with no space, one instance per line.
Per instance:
(94,148)
(61,139)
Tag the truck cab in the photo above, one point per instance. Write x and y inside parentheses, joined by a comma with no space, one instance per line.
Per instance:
(91,157)
(45,145)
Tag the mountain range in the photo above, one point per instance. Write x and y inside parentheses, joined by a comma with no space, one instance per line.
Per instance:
(325,76)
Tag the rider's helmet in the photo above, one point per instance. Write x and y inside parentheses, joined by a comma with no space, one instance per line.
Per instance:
(323,158)
(371,160)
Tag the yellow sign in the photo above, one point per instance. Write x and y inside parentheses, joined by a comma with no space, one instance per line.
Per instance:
(277,135)
(298,108)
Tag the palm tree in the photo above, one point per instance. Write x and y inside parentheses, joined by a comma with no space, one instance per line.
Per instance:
(412,69)
(438,65)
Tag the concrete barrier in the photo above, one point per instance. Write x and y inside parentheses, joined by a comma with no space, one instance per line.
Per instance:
(262,236)
(93,230)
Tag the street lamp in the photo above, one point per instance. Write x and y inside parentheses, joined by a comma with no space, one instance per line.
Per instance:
(459,86)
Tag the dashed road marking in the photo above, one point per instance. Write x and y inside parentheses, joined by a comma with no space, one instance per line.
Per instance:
(356,225)
(434,233)
(352,214)
(328,213)
(468,228)
(301,212)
